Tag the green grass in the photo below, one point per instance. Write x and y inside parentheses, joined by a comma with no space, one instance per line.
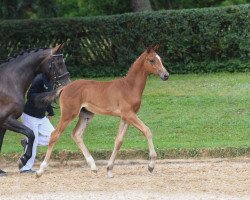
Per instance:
(187,111)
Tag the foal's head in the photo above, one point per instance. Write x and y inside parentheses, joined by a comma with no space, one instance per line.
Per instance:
(153,63)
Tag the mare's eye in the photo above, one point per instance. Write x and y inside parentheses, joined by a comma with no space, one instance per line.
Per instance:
(151,62)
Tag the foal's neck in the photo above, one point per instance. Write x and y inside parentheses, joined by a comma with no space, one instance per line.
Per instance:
(137,75)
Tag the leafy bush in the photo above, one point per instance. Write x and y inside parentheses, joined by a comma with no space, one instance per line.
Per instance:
(194,40)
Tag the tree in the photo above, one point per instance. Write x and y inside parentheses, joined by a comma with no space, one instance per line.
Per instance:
(30,9)
(27,9)
(8,9)
(140,5)
(180,4)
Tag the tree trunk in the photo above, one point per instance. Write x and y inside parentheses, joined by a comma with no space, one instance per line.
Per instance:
(169,5)
(140,5)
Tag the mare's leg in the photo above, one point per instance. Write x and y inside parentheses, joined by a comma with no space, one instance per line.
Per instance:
(118,143)
(16,126)
(2,133)
(85,118)
(4,114)
(133,119)
(63,123)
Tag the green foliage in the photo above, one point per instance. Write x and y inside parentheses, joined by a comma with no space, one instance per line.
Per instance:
(73,8)
(33,9)
(195,40)
(234,2)
(27,9)
(180,4)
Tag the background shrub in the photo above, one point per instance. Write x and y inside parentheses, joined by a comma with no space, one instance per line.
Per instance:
(194,40)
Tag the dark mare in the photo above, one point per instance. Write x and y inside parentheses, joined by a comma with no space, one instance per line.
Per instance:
(16,75)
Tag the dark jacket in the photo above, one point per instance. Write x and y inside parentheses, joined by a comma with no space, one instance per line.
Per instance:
(40,84)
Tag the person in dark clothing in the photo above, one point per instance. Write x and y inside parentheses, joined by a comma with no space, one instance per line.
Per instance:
(37,119)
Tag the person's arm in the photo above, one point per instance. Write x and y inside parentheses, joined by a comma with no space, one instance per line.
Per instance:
(35,88)
(50,111)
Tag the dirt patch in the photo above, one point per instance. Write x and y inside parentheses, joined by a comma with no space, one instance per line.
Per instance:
(172,179)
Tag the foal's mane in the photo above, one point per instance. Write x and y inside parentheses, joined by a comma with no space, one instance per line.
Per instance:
(132,67)
(31,50)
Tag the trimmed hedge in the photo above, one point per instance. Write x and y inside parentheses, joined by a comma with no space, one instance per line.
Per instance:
(194,40)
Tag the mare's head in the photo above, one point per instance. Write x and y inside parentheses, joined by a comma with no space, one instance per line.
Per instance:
(54,66)
(153,63)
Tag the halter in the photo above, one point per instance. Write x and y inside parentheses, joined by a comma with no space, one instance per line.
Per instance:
(56,77)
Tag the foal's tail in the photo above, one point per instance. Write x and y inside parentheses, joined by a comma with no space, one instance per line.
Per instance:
(46,98)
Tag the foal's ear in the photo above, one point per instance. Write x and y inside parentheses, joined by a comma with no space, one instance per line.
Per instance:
(150,49)
(156,47)
(153,48)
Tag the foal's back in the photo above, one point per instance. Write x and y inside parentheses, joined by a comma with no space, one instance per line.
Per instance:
(100,97)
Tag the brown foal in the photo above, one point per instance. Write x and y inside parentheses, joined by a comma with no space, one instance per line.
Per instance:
(120,97)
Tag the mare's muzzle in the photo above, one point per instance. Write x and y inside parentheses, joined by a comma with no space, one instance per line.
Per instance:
(57,78)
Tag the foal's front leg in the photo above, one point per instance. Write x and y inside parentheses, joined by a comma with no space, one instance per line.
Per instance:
(118,143)
(53,139)
(135,121)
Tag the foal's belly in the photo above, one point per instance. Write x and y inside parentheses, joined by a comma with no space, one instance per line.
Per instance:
(102,111)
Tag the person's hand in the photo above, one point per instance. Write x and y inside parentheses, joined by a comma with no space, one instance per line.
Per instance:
(49,117)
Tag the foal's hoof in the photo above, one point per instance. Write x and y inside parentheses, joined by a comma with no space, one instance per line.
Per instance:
(94,169)
(150,169)
(110,174)
(38,175)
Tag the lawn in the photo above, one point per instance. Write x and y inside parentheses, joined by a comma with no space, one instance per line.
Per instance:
(187,111)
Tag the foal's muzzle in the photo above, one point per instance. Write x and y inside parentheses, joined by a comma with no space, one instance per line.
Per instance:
(164,76)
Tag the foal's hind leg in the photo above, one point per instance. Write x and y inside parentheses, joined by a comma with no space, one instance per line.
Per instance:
(85,118)
(118,143)
(64,122)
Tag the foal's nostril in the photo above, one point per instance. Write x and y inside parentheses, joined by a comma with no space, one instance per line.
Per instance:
(166,76)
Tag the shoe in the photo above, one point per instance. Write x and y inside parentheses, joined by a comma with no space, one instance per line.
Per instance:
(24,143)
(3,173)
(29,171)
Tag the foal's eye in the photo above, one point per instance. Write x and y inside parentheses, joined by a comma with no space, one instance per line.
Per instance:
(151,62)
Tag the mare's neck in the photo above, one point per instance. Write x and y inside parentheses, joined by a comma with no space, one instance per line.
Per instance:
(137,76)
(26,70)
